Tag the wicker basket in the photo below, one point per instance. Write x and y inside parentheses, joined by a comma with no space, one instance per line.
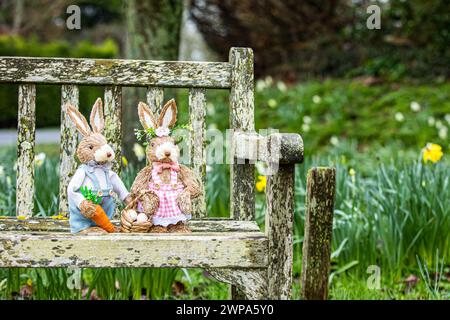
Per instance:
(128,225)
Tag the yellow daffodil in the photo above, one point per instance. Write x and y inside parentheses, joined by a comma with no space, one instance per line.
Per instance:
(124,161)
(21,217)
(29,282)
(59,216)
(261,184)
(432,152)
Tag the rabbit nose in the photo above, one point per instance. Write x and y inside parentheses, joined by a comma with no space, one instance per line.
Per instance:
(167,153)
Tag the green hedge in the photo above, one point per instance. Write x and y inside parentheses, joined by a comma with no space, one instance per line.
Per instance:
(48,98)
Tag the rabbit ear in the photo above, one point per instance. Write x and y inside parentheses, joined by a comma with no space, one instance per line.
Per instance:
(97,120)
(78,120)
(168,115)
(146,116)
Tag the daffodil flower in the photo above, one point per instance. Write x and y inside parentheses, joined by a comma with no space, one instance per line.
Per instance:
(261,184)
(432,152)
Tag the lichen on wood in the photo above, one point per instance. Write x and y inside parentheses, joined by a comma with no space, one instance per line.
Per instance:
(113,123)
(68,145)
(197,113)
(282,148)
(242,188)
(25,150)
(320,191)
(56,224)
(155,99)
(279,231)
(252,283)
(110,72)
(204,250)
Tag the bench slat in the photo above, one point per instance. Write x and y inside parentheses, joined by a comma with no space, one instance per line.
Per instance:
(25,150)
(68,146)
(155,97)
(113,123)
(56,225)
(115,72)
(242,176)
(197,113)
(217,250)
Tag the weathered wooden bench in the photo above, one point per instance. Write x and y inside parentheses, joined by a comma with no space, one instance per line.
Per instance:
(234,250)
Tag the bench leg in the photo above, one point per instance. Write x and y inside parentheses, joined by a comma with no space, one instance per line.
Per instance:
(279,230)
(251,283)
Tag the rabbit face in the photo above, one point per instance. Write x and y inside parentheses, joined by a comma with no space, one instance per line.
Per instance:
(163,149)
(93,146)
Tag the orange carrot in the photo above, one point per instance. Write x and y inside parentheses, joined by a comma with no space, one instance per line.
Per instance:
(102,220)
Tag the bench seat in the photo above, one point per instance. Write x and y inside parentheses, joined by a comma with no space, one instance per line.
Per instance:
(218,243)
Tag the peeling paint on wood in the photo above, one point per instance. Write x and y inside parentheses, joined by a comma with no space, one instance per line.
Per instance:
(242,175)
(283,148)
(57,225)
(113,123)
(242,188)
(320,190)
(155,99)
(279,230)
(197,113)
(68,146)
(25,150)
(110,72)
(204,250)
(252,283)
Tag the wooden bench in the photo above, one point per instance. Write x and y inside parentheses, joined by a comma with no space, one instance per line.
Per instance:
(234,250)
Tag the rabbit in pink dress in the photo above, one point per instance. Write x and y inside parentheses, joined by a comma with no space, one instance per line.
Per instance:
(165,187)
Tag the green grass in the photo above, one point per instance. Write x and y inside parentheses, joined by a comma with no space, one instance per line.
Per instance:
(394,212)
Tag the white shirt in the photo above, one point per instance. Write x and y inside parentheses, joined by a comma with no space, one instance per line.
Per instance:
(80,179)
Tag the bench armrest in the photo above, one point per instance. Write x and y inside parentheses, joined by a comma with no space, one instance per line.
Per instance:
(281,148)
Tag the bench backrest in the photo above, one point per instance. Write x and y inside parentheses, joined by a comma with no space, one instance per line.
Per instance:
(235,75)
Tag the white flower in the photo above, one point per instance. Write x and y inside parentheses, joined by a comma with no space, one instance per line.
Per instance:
(316,99)
(210,109)
(139,151)
(443,131)
(281,86)
(447,118)
(162,132)
(2,171)
(305,127)
(439,124)
(431,121)
(39,159)
(399,117)
(415,106)
(260,85)
(209,168)
(334,140)
(272,103)
(307,119)
(269,81)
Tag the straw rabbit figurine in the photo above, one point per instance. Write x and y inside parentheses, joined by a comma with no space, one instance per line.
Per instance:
(171,185)
(93,213)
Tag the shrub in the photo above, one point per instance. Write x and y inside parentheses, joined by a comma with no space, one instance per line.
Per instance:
(48,97)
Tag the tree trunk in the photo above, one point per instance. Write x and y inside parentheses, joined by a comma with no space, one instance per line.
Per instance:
(153,34)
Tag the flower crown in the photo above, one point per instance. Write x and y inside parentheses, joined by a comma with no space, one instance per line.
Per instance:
(150,133)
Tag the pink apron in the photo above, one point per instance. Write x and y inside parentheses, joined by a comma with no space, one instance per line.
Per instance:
(168,211)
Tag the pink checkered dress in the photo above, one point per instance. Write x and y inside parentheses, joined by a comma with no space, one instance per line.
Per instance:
(168,211)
